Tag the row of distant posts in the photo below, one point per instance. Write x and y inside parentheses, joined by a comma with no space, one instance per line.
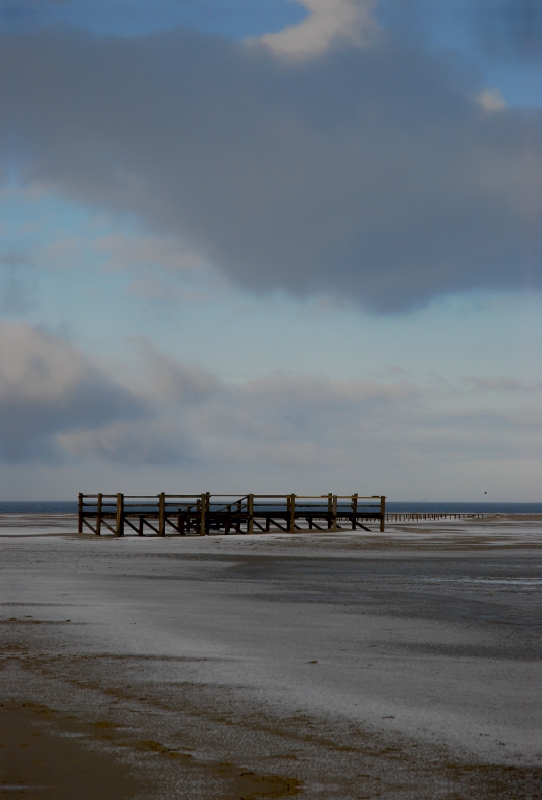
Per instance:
(204,514)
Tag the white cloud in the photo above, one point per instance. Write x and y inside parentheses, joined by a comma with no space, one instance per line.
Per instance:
(491,100)
(329,20)
(35,366)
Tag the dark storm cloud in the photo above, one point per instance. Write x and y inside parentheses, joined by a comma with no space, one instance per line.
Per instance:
(372,174)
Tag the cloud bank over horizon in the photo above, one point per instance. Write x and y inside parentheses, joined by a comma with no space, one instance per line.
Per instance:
(59,407)
(373,173)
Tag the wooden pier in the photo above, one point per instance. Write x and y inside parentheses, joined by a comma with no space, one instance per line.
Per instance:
(205,514)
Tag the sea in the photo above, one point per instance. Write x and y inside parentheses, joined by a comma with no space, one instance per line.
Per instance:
(70,507)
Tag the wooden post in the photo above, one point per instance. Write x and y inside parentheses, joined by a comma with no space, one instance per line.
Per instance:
(99,515)
(334,512)
(80,513)
(202,516)
(198,514)
(288,502)
(250,509)
(382,513)
(329,510)
(291,522)
(141,523)
(120,515)
(162,514)
(180,523)
(355,511)
(207,512)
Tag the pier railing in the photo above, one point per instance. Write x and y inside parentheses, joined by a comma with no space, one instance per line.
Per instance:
(210,514)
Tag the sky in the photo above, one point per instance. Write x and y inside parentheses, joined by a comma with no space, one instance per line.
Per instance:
(271,246)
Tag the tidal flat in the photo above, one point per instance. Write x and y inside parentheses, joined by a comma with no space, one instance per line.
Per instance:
(348,665)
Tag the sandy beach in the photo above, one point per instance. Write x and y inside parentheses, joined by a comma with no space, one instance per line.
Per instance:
(348,665)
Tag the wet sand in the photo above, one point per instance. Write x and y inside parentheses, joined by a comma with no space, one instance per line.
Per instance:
(40,757)
(47,755)
(402,665)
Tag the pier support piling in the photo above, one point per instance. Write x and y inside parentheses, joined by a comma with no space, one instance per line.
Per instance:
(119,530)
(80,513)
(162,514)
